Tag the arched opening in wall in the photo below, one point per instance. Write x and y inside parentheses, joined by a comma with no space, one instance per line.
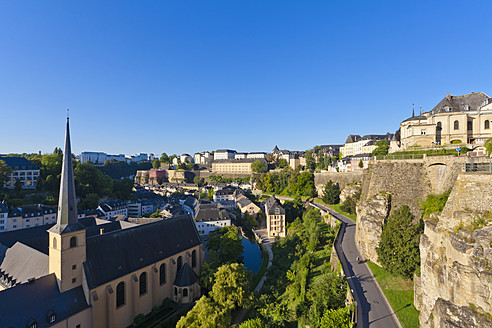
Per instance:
(487,124)
(193,259)
(143,283)
(54,242)
(73,242)
(162,274)
(456,125)
(437,173)
(438,133)
(185,292)
(120,294)
(180,263)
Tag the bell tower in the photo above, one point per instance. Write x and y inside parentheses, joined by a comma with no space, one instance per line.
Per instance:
(67,251)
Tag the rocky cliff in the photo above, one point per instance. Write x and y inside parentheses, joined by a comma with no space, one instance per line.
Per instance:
(342,178)
(371,215)
(455,286)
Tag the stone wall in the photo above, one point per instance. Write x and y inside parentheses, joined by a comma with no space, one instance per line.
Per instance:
(456,275)
(342,178)
(371,215)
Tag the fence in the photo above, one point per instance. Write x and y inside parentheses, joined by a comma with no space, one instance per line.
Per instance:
(478,167)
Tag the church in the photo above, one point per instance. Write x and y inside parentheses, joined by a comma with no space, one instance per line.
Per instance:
(80,275)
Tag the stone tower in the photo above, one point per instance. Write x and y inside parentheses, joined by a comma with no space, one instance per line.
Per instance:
(67,250)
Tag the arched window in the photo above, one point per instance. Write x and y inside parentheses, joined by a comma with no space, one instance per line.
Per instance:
(487,124)
(143,283)
(469,125)
(162,274)
(456,125)
(180,263)
(120,294)
(185,292)
(175,291)
(54,242)
(73,242)
(193,258)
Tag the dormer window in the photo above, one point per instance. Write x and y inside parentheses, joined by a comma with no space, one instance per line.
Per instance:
(51,317)
(32,323)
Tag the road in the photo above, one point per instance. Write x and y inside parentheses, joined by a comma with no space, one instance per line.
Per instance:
(374,310)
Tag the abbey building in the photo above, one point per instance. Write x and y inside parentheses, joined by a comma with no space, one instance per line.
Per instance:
(456,119)
(80,275)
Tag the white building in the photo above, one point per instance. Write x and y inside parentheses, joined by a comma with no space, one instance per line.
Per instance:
(23,171)
(185,158)
(256,155)
(224,154)
(113,208)
(210,217)
(240,156)
(93,157)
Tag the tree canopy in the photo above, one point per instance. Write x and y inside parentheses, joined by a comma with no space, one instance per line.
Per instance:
(398,249)
(258,166)
(382,148)
(231,286)
(331,193)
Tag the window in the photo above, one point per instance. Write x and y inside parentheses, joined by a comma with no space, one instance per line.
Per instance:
(180,263)
(487,124)
(73,242)
(74,280)
(54,242)
(143,283)
(74,267)
(193,258)
(185,292)
(422,132)
(120,294)
(162,274)
(469,125)
(51,317)
(175,291)
(456,125)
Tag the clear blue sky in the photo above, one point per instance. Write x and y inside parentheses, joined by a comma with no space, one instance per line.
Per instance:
(186,76)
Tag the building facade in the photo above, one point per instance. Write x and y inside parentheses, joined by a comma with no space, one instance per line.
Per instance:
(234,166)
(275,217)
(455,119)
(23,171)
(224,154)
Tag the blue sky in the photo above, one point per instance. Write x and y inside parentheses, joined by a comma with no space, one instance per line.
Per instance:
(186,76)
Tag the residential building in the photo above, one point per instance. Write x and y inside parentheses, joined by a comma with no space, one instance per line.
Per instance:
(234,166)
(240,156)
(189,205)
(354,145)
(203,158)
(93,157)
(455,119)
(275,217)
(297,160)
(257,155)
(4,213)
(331,150)
(186,158)
(224,154)
(142,207)
(112,208)
(210,217)
(226,193)
(22,170)
(29,216)
(247,206)
(78,276)
(356,159)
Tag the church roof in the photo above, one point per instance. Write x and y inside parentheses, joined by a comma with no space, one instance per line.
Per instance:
(34,300)
(118,253)
(472,101)
(66,220)
(185,276)
(20,263)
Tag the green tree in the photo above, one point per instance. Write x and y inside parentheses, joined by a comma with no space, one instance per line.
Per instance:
(339,318)
(164,158)
(89,179)
(328,291)
(320,163)
(156,163)
(361,163)
(122,189)
(488,146)
(89,202)
(282,163)
(254,323)
(258,166)
(198,181)
(227,243)
(310,164)
(206,314)
(382,148)
(398,249)
(5,172)
(231,286)
(331,193)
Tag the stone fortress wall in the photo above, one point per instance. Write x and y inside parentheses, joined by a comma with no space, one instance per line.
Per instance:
(456,266)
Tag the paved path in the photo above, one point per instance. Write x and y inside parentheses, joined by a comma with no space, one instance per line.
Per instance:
(374,310)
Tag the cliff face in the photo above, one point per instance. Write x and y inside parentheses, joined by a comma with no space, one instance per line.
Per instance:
(342,178)
(371,215)
(349,191)
(455,286)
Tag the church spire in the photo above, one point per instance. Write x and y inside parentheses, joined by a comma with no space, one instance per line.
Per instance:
(67,204)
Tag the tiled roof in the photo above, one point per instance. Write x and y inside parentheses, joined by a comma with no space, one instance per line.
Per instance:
(271,204)
(21,263)
(185,276)
(118,253)
(18,163)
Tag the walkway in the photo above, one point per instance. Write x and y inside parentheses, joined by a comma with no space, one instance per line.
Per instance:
(374,310)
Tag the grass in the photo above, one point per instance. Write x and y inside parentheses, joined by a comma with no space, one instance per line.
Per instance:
(336,208)
(399,292)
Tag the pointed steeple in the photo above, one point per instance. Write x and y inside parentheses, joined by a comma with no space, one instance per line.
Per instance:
(67,220)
